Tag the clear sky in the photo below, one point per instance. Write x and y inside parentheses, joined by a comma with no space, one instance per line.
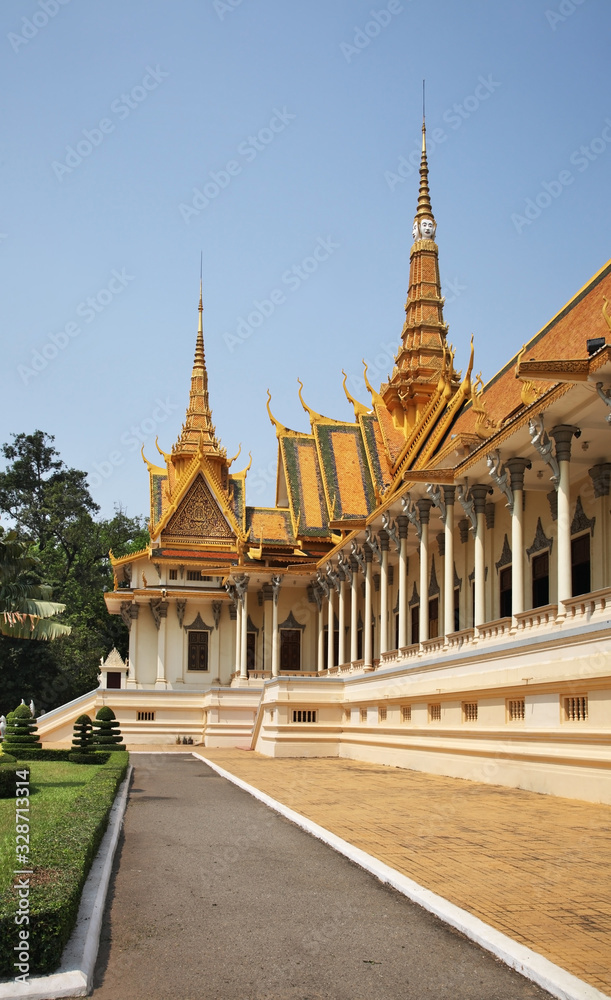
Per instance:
(275,137)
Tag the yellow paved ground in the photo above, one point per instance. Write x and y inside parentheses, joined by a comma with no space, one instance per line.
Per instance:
(533,866)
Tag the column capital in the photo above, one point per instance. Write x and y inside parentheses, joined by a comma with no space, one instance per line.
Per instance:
(384,540)
(403,522)
(601,479)
(479,492)
(449,495)
(563,436)
(424,509)
(368,552)
(517,467)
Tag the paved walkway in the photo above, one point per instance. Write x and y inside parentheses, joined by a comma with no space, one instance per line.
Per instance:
(535,867)
(215,896)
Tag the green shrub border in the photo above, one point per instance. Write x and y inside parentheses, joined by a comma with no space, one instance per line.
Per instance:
(8,778)
(83,757)
(69,852)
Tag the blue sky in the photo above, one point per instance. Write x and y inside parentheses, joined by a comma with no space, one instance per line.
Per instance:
(139,133)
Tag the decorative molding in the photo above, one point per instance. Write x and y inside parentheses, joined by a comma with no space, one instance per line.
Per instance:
(552,498)
(217,607)
(490,513)
(606,398)
(441,543)
(372,542)
(468,505)
(198,625)
(463,530)
(181,607)
(345,566)
(159,610)
(250,626)
(541,442)
(358,556)
(434,492)
(409,509)
(581,521)
(276,584)
(125,611)
(601,478)
(390,527)
(506,557)
(457,579)
(414,599)
(291,622)
(540,541)
(323,583)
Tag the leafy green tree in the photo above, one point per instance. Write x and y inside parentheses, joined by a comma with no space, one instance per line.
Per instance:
(26,608)
(52,509)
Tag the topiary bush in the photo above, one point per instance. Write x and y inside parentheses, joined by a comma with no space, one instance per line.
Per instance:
(8,778)
(81,737)
(106,731)
(21,731)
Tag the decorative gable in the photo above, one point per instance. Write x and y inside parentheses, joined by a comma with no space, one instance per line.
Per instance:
(198,517)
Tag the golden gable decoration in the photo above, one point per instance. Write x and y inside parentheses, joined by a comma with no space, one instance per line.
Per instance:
(198,516)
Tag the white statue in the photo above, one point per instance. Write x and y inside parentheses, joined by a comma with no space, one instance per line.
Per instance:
(427,228)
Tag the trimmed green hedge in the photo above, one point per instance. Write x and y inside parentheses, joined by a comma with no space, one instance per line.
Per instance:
(89,758)
(65,858)
(32,754)
(8,779)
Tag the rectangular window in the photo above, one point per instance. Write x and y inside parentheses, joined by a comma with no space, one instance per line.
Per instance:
(505,592)
(415,616)
(435,712)
(359,644)
(290,649)
(396,631)
(113,679)
(540,575)
(406,713)
(198,651)
(580,565)
(576,709)
(516,711)
(456,609)
(433,617)
(145,715)
(382,714)
(194,574)
(173,574)
(304,715)
(469,711)
(251,650)
(363,715)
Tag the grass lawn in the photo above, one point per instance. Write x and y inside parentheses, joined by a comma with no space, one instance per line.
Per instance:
(68,814)
(54,785)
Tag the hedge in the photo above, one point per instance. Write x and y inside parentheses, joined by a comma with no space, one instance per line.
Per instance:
(99,757)
(8,779)
(32,754)
(66,856)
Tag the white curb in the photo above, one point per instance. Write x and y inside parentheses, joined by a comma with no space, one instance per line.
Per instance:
(530,964)
(75,974)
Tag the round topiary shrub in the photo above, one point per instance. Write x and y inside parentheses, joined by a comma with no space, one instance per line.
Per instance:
(21,731)
(81,737)
(106,732)
(8,778)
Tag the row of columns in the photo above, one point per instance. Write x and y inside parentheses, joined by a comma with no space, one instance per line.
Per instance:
(419,513)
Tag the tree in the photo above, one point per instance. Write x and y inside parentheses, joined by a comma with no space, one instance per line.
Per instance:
(51,509)
(26,608)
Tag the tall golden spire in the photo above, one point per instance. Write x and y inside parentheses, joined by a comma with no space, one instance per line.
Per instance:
(198,430)
(424,209)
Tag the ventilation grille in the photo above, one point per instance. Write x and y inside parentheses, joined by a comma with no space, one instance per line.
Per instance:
(576,709)
(435,712)
(470,711)
(304,715)
(516,711)
(382,714)
(145,715)
(406,713)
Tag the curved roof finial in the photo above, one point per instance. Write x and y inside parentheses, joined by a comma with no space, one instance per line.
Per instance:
(359,408)
(235,457)
(375,396)
(279,427)
(313,415)
(168,458)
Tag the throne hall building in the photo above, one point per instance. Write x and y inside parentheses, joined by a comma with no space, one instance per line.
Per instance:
(432,588)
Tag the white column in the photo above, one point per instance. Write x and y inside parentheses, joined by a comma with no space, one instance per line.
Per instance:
(384,593)
(341,652)
(162,611)
(243,638)
(516,468)
(330,628)
(132,680)
(367,636)
(424,507)
(479,493)
(276,580)
(354,611)
(563,435)
(403,522)
(238,635)
(321,637)
(449,493)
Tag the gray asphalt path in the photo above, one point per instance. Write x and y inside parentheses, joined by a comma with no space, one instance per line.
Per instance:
(216,897)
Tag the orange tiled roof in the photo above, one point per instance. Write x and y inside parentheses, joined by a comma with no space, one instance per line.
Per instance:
(269,525)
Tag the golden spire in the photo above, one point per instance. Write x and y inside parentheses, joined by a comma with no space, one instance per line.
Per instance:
(424,209)
(198,433)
